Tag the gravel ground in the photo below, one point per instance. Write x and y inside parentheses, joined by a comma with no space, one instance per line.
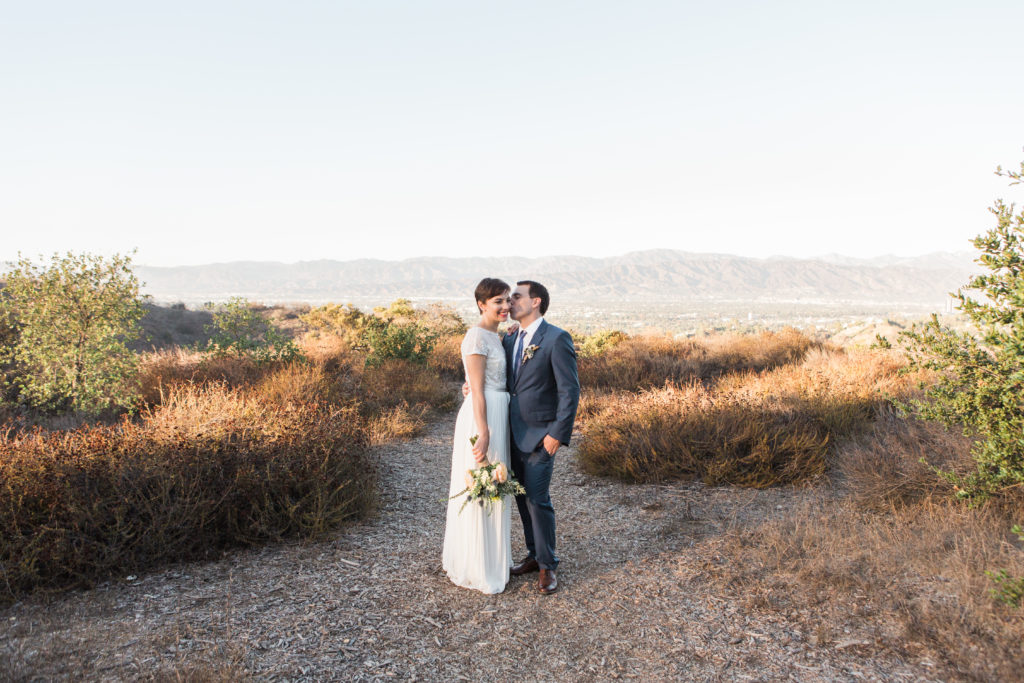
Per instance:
(636,601)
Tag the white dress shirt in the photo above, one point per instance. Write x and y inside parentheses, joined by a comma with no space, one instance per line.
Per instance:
(529,335)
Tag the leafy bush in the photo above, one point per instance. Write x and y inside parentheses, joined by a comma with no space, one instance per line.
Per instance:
(439,319)
(980,386)
(341,320)
(406,341)
(66,328)
(443,320)
(239,330)
(399,331)
(597,343)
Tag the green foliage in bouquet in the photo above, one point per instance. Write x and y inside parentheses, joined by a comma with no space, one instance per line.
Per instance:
(66,327)
(981,375)
(238,329)
(488,484)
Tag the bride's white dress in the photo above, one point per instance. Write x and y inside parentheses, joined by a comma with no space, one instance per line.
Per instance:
(477,546)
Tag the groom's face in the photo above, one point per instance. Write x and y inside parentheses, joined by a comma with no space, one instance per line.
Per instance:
(522,304)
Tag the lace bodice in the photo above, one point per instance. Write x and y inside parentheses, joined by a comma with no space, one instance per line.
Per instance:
(479,341)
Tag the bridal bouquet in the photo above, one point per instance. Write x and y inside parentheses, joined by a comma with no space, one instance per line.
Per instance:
(488,484)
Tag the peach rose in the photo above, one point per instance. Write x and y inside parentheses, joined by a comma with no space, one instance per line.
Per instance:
(469,479)
(501,473)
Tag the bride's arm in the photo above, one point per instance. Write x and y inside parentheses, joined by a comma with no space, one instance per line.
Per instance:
(475,367)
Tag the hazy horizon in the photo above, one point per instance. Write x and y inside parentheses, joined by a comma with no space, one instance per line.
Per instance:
(964,253)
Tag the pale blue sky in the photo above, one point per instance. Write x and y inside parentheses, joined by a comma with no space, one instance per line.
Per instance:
(215,131)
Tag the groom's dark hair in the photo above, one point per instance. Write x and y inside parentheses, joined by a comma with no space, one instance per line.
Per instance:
(538,291)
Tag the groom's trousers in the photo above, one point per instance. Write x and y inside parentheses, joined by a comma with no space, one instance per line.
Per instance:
(533,470)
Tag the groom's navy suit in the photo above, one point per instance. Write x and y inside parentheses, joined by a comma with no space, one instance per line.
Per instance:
(544,392)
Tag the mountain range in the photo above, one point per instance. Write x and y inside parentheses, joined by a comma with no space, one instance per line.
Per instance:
(642,276)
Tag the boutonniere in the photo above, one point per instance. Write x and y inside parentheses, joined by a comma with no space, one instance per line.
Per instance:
(529,351)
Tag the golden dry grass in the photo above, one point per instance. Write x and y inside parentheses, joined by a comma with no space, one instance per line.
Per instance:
(891,465)
(225,452)
(880,546)
(211,467)
(916,573)
(332,371)
(446,357)
(753,429)
(649,361)
(882,542)
(893,548)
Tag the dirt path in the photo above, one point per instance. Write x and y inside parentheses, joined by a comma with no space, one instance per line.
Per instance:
(635,601)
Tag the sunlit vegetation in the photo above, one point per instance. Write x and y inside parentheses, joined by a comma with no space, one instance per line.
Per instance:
(254,433)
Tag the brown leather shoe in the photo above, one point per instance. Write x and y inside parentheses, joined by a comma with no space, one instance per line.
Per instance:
(525,567)
(548,581)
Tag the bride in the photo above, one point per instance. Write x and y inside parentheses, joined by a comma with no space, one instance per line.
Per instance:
(477,547)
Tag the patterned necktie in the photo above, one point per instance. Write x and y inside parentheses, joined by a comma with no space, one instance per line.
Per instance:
(517,357)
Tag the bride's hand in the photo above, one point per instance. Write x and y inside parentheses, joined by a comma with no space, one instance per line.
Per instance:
(512,329)
(483,440)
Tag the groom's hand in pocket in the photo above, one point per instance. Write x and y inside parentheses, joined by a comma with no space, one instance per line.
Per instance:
(551,444)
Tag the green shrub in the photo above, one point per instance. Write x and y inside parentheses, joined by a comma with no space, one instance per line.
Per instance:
(402,341)
(980,386)
(399,331)
(66,330)
(442,320)
(341,320)
(239,330)
(597,343)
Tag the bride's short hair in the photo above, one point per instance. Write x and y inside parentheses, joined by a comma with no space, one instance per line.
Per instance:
(490,287)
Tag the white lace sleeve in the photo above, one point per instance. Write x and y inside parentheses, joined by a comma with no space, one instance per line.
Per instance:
(474,343)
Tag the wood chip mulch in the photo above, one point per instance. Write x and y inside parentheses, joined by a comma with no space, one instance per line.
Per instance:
(635,601)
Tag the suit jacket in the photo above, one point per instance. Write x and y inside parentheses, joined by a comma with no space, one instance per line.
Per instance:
(546,392)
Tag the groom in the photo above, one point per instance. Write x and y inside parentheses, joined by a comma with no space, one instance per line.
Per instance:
(544,391)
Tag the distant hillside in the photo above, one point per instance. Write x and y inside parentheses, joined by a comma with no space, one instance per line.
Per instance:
(659,275)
